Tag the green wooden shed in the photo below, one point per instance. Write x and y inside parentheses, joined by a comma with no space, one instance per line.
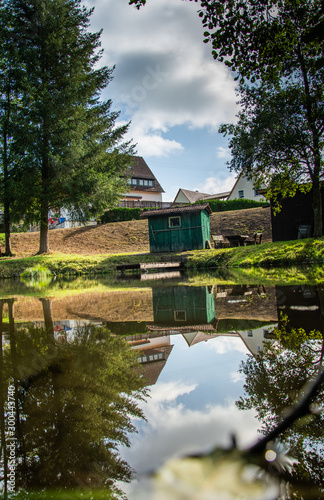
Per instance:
(177,229)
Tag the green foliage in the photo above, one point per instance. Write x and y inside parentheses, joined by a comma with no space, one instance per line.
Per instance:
(77,156)
(239,204)
(119,214)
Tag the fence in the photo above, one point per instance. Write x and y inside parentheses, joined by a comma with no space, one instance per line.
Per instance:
(147,204)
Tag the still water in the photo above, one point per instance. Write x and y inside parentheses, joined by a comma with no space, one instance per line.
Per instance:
(103,383)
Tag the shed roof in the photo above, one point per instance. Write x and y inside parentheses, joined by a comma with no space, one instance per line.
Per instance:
(177,210)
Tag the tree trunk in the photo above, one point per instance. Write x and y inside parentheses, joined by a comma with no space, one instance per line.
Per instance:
(7,227)
(3,394)
(317,208)
(6,194)
(43,237)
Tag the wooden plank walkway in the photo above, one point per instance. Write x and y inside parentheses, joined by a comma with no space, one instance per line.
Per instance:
(147,266)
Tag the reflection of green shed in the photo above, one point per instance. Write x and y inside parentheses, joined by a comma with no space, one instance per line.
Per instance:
(183,305)
(177,229)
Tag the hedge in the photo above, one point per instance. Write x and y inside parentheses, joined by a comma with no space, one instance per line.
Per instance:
(239,204)
(119,214)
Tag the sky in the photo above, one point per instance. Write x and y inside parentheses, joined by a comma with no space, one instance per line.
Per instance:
(171,89)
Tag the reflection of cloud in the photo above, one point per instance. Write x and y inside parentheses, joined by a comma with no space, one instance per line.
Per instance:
(172,429)
(224,345)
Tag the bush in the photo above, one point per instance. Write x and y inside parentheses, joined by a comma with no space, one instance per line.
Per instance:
(227,205)
(119,214)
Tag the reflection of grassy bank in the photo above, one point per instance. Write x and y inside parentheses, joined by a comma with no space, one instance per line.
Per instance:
(265,256)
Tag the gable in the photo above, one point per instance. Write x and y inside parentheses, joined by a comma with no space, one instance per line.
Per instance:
(141,178)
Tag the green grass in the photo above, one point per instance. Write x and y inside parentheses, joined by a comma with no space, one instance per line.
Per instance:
(267,255)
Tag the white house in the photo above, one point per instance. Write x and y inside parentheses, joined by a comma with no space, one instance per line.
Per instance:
(187,196)
(144,187)
(244,188)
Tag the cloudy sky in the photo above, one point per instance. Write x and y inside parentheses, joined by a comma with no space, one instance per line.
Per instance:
(170,88)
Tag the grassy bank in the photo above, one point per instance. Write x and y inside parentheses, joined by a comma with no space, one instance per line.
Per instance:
(267,255)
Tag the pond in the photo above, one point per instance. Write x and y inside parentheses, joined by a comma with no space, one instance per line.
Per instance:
(160,387)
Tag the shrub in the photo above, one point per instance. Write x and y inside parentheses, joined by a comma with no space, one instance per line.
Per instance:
(227,205)
(119,214)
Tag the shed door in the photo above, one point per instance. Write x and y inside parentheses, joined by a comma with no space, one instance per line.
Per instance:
(175,243)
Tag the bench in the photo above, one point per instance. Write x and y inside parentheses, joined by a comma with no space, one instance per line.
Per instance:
(256,239)
(219,241)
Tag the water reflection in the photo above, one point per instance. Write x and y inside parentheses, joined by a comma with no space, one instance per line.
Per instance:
(73,402)
(71,357)
(274,382)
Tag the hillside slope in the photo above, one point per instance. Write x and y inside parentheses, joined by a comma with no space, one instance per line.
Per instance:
(132,236)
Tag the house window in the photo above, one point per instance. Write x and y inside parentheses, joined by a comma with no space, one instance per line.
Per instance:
(175,221)
(250,333)
(151,183)
(256,192)
(241,193)
(141,182)
(134,182)
(180,315)
(146,182)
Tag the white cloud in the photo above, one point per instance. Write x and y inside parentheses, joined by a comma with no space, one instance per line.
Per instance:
(223,153)
(214,185)
(165,75)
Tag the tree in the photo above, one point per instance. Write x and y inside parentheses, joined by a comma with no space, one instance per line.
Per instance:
(11,73)
(72,152)
(278,43)
(273,143)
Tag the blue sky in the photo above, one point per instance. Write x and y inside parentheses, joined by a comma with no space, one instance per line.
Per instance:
(170,88)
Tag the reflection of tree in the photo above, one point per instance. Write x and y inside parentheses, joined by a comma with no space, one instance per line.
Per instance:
(274,382)
(76,402)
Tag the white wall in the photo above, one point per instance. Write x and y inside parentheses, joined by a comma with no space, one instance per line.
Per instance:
(181,198)
(247,187)
(146,195)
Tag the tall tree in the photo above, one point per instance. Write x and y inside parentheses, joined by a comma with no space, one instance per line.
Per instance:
(273,143)
(72,151)
(10,76)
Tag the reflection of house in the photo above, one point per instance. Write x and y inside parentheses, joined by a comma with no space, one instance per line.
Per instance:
(144,188)
(179,228)
(153,354)
(187,196)
(255,339)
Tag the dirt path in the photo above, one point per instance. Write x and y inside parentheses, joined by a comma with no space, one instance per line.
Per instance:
(132,236)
